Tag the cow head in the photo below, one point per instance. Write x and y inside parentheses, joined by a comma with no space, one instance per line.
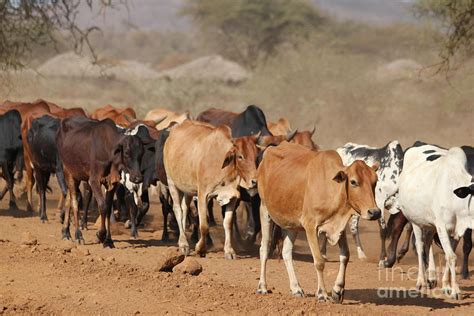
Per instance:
(246,162)
(360,181)
(304,138)
(127,156)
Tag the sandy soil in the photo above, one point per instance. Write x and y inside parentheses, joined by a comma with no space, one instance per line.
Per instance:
(44,279)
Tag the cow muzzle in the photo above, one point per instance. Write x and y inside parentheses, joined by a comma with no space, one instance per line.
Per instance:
(373,214)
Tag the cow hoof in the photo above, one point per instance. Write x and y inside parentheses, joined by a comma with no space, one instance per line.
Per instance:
(165,237)
(44,218)
(101,235)
(127,224)
(298,293)
(324,298)
(108,243)
(456,296)
(446,290)
(78,237)
(262,289)
(419,286)
(382,264)
(134,234)
(465,275)
(230,256)
(13,207)
(338,297)
(185,251)
(432,284)
(66,234)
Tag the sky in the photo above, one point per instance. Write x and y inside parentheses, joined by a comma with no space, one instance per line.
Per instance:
(162,15)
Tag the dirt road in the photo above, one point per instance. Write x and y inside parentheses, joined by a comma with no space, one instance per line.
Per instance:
(46,279)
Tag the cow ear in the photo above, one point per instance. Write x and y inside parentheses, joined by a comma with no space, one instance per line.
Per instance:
(229,157)
(462,192)
(341,176)
(375,166)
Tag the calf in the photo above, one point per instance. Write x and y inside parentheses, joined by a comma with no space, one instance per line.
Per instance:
(11,149)
(96,152)
(426,186)
(390,161)
(45,158)
(303,189)
(202,160)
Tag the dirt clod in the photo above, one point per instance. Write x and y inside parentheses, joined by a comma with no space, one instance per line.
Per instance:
(188,266)
(169,259)
(28,239)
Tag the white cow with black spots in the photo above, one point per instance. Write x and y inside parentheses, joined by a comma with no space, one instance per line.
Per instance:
(430,176)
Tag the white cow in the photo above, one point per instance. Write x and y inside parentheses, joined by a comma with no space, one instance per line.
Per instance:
(430,175)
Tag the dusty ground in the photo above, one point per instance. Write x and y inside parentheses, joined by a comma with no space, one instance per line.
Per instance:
(44,279)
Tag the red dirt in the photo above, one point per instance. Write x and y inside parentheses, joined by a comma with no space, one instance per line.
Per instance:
(44,279)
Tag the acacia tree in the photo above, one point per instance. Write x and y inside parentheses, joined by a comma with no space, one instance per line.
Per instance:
(24,24)
(250,31)
(457,21)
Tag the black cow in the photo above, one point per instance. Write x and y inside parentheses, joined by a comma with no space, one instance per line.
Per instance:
(96,152)
(11,150)
(45,158)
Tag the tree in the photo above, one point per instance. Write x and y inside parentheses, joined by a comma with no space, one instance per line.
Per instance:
(250,31)
(456,18)
(27,23)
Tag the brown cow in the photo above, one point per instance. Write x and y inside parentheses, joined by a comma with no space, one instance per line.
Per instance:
(168,117)
(313,191)
(201,160)
(282,127)
(121,116)
(96,152)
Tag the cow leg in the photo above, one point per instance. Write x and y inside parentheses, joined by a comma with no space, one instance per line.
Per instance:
(421,279)
(178,213)
(396,222)
(203,226)
(42,179)
(87,202)
(145,198)
(132,209)
(67,216)
(383,236)
(319,261)
(7,170)
(255,209)
(264,248)
(432,275)
(75,207)
(109,198)
(450,261)
(30,181)
(355,234)
(210,212)
(229,252)
(338,289)
(406,244)
(166,209)
(97,192)
(466,250)
(288,242)
(323,243)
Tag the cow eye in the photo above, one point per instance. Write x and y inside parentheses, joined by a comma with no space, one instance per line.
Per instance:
(240,157)
(354,183)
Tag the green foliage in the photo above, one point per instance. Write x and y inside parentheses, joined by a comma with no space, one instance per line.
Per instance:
(250,31)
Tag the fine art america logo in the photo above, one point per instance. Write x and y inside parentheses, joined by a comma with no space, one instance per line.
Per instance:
(432,288)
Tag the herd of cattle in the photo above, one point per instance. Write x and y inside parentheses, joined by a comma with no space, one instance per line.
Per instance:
(286,183)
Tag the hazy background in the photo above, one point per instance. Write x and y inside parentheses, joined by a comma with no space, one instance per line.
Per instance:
(361,77)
